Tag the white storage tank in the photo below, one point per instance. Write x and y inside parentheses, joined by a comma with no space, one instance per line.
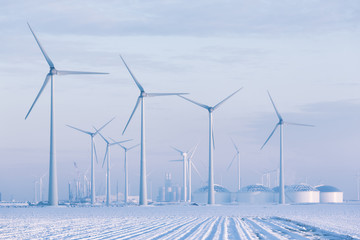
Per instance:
(255,194)
(299,193)
(222,195)
(330,194)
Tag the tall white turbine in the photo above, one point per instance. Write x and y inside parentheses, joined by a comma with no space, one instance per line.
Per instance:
(211,193)
(237,156)
(281,123)
(107,158)
(93,150)
(191,165)
(53,186)
(143,94)
(184,160)
(126,190)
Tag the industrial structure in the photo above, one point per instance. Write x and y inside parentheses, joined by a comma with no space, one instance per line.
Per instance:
(330,194)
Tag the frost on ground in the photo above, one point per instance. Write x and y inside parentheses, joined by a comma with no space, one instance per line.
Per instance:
(317,221)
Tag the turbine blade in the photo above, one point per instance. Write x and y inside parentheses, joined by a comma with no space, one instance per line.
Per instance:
(277,112)
(78,129)
(270,135)
(192,153)
(237,150)
(197,171)
(178,150)
(220,103)
(132,114)
(231,162)
(199,104)
(63,72)
(107,149)
(48,60)
(101,136)
(299,124)
(133,147)
(132,75)
(96,157)
(37,97)
(164,94)
(120,142)
(98,131)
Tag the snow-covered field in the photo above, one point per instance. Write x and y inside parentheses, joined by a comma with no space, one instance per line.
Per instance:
(317,221)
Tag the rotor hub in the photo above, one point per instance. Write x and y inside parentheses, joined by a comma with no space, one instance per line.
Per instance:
(143,94)
(53,71)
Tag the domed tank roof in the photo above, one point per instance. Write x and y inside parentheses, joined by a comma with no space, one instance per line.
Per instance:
(255,188)
(297,188)
(217,188)
(327,188)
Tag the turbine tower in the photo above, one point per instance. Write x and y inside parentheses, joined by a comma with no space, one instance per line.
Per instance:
(280,124)
(107,158)
(140,100)
(211,193)
(184,160)
(237,156)
(191,165)
(53,186)
(93,150)
(126,190)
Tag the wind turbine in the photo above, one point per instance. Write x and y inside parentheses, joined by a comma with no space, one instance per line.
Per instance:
(107,158)
(126,192)
(237,156)
(184,160)
(93,150)
(53,186)
(211,192)
(280,124)
(191,165)
(140,100)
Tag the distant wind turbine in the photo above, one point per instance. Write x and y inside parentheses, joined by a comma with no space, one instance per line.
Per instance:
(107,158)
(237,156)
(143,94)
(281,123)
(93,150)
(126,190)
(191,165)
(53,186)
(211,192)
(184,160)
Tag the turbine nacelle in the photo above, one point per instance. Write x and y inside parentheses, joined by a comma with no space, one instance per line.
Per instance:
(53,71)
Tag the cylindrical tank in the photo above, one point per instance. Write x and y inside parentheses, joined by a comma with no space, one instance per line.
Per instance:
(255,194)
(330,194)
(299,193)
(222,195)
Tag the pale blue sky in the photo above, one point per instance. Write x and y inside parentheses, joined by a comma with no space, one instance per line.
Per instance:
(304,52)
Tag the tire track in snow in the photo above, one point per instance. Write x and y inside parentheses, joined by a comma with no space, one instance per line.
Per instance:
(312,232)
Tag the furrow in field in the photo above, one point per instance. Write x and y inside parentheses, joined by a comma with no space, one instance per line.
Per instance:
(179,228)
(260,231)
(283,231)
(311,232)
(233,229)
(198,231)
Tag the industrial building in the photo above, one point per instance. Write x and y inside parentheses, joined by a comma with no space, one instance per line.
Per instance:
(299,193)
(330,194)
(222,195)
(169,192)
(255,194)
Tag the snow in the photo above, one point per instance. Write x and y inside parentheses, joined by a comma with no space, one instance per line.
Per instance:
(183,221)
